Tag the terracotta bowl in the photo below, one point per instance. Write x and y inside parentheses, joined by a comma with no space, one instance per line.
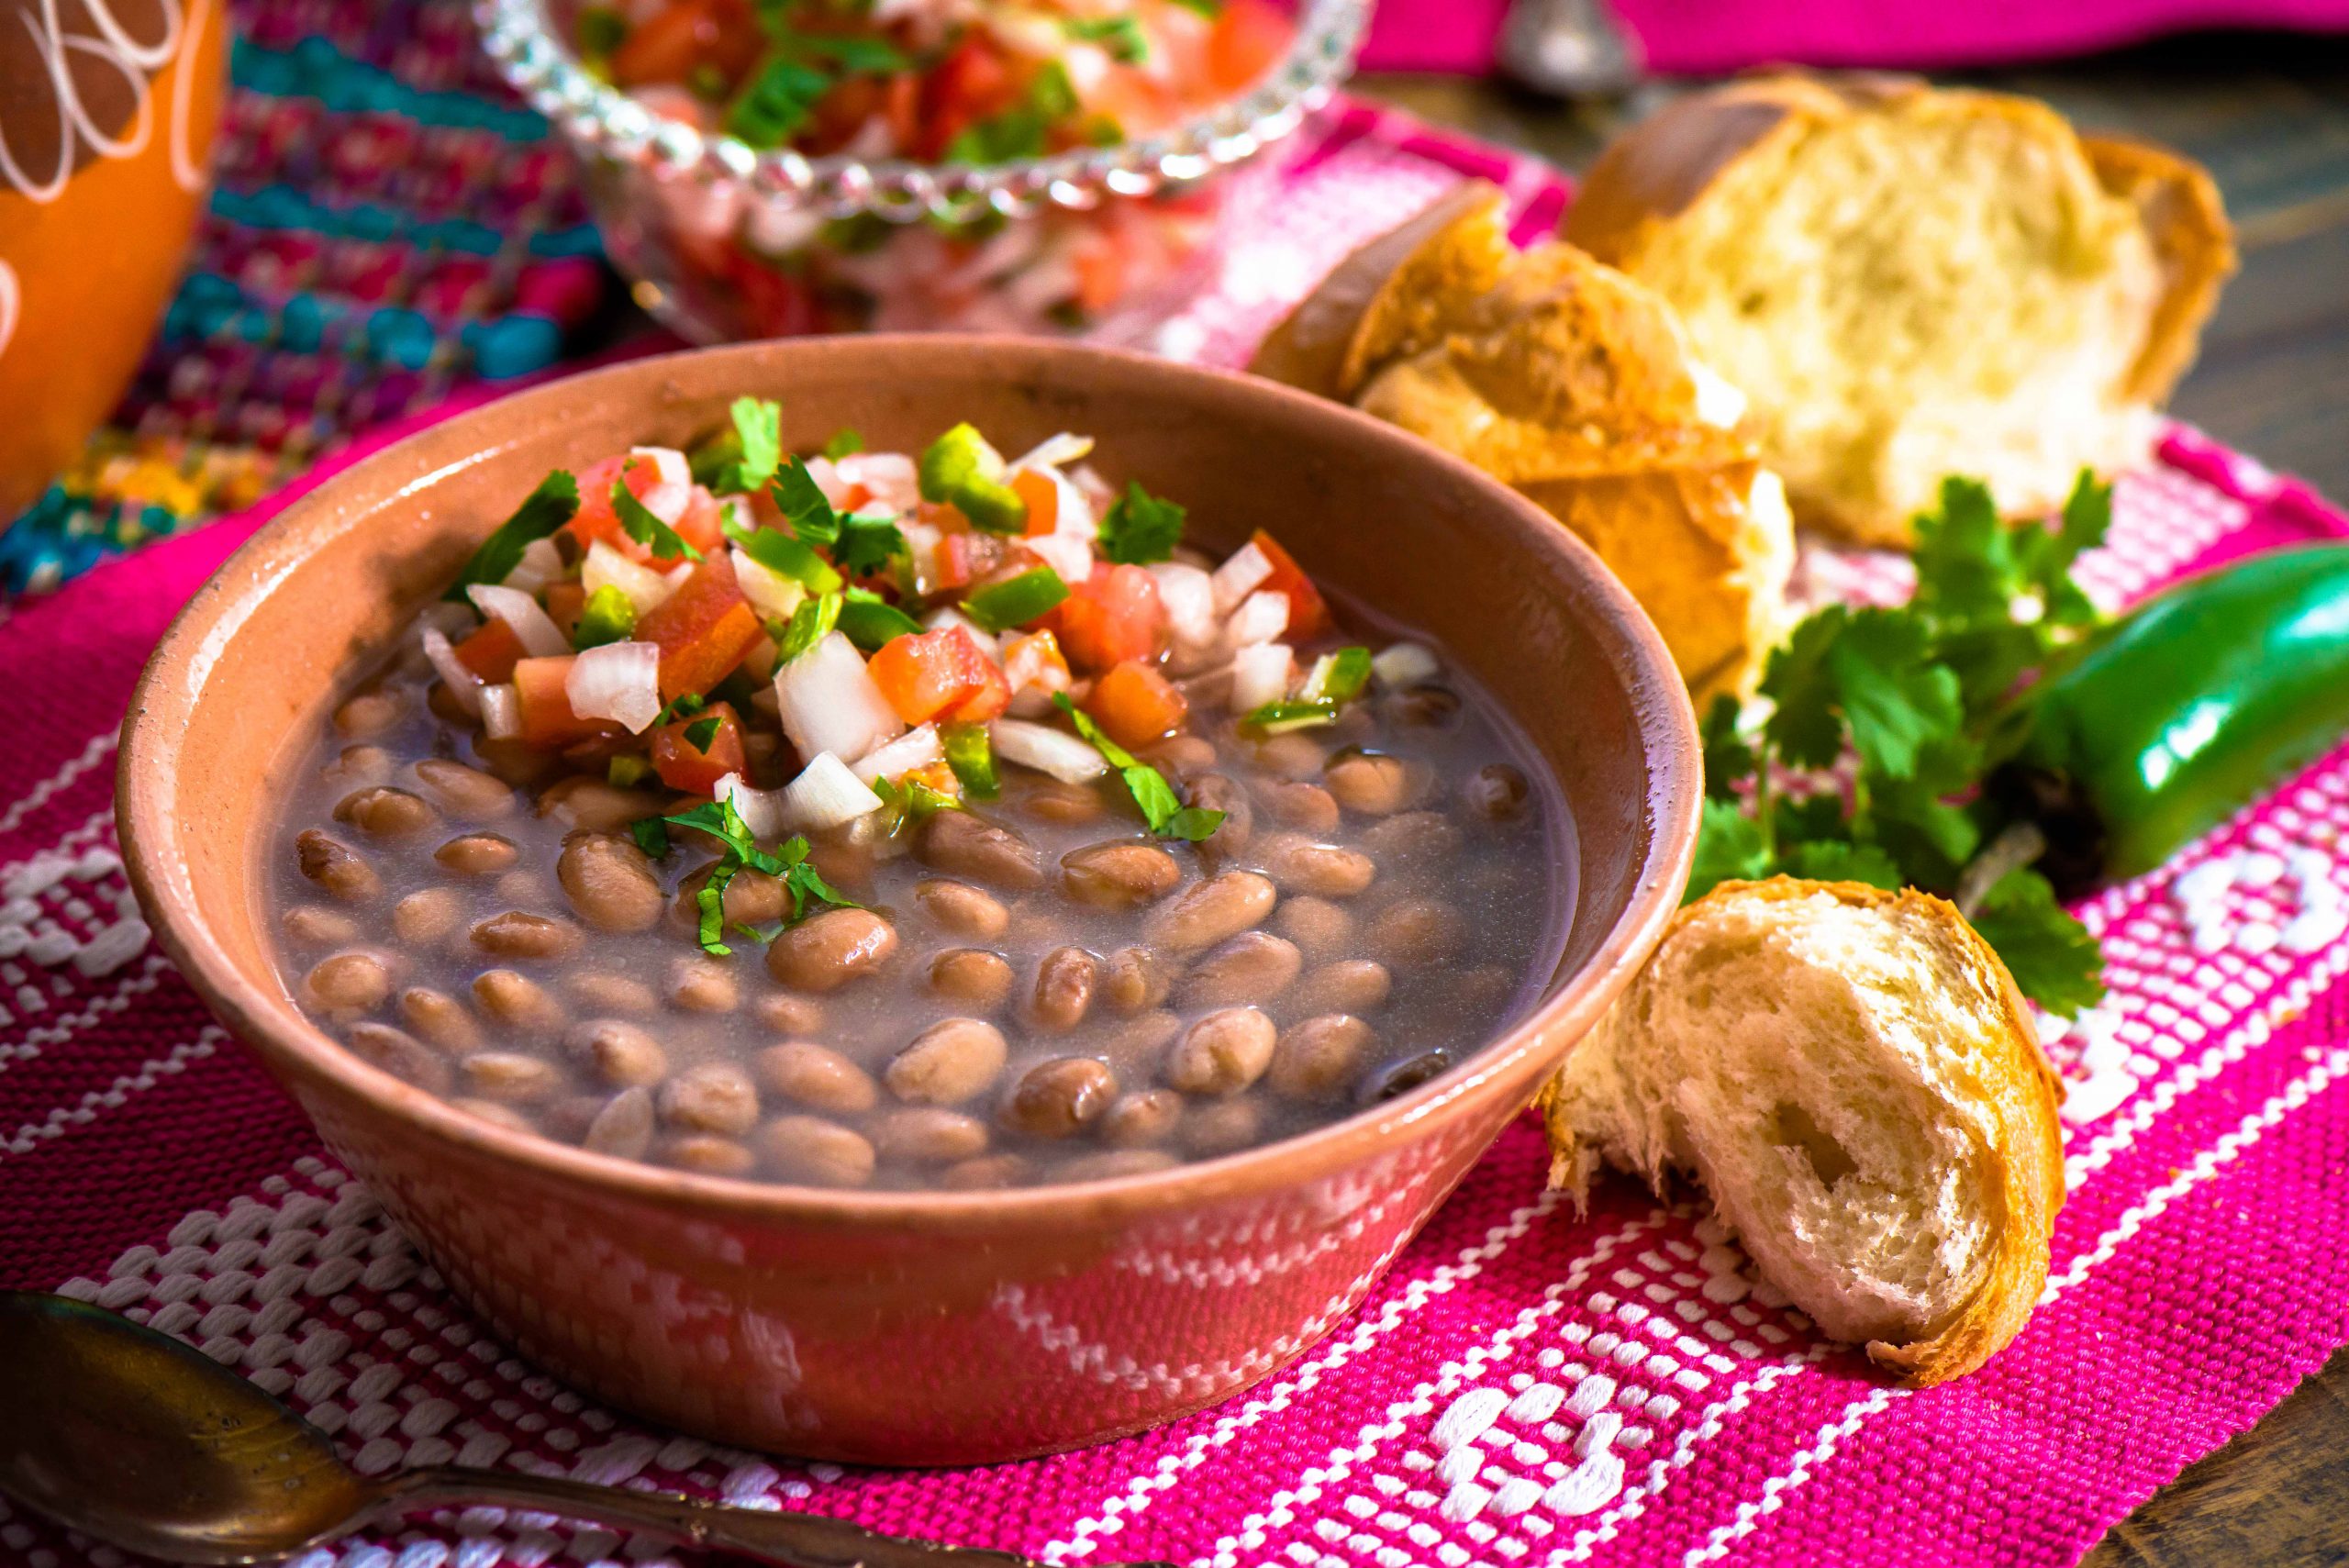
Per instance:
(913,1328)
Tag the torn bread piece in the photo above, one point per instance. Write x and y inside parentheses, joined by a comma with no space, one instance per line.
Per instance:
(1853,1077)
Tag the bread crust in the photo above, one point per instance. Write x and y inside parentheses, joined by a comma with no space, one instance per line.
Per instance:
(2027,1144)
(2178,204)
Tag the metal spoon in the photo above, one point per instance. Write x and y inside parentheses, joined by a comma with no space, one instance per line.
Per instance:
(130,1436)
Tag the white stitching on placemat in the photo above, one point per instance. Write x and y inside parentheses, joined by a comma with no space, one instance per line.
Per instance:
(32,1135)
(41,793)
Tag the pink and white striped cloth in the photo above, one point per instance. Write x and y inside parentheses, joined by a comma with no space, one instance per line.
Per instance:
(1527,1389)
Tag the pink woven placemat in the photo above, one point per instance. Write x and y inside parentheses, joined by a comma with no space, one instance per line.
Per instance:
(1526,1387)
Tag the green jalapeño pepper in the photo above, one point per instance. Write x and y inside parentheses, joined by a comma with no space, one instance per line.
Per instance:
(2177,713)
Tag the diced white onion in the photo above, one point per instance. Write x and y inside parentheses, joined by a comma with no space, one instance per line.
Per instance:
(888,477)
(773,594)
(1261,617)
(1404,665)
(1239,576)
(1261,673)
(828,479)
(765,812)
(501,711)
(826,794)
(619,680)
(917,748)
(453,620)
(645,588)
(539,636)
(1187,594)
(541,564)
(1075,508)
(1066,757)
(1054,451)
(826,701)
(921,553)
(667,463)
(947,616)
(462,683)
(672,492)
(1070,555)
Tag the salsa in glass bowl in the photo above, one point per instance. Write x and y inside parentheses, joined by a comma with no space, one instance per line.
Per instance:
(765,168)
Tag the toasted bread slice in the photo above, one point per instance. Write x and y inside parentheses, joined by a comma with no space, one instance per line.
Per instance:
(1855,1080)
(1910,283)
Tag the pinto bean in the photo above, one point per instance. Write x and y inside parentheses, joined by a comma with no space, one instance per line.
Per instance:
(1147,1116)
(313,925)
(402,1055)
(522,888)
(428,915)
(928,1135)
(1296,755)
(966,846)
(494,1114)
(820,1153)
(984,1173)
(599,992)
(1497,792)
(711,1097)
(337,867)
(949,1063)
(1424,708)
(624,1127)
(1414,839)
(1214,792)
(370,713)
(1223,1053)
(347,984)
(516,1001)
(1064,990)
(972,978)
(516,763)
(966,911)
(1060,1097)
(816,1076)
(1222,1126)
(464,793)
(826,951)
(385,813)
(1055,800)
(1120,875)
(1320,929)
(789,1014)
(477,855)
(591,805)
(1251,967)
(1348,985)
(1183,754)
(440,1018)
(516,934)
(1414,931)
(752,898)
(1134,979)
(1321,1058)
(1323,870)
(616,1052)
(699,982)
(510,1077)
(1210,911)
(705,1155)
(356,767)
(609,882)
(1111,1163)
(1292,803)
(1372,782)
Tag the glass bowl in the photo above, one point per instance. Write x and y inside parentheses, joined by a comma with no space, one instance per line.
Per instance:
(723,241)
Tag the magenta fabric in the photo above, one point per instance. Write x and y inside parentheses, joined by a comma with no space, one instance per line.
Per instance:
(1527,1388)
(1711,37)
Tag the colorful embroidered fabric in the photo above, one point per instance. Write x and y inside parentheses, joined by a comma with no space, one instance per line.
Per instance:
(1526,1387)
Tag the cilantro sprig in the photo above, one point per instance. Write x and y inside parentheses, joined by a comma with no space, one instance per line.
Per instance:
(1167,815)
(1140,528)
(1916,699)
(640,523)
(804,887)
(554,502)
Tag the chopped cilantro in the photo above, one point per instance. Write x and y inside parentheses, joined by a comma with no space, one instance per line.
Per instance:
(639,522)
(601,29)
(1141,527)
(1119,37)
(684,706)
(866,543)
(702,732)
(1164,811)
(908,803)
(777,101)
(554,502)
(738,851)
(804,505)
(845,443)
(651,834)
(758,427)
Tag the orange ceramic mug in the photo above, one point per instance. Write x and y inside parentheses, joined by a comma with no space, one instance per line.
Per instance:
(108,110)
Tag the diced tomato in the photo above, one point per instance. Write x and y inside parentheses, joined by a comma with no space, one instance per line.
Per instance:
(595,519)
(564,601)
(695,769)
(1308,612)
(973,80)
(1100,273)
(1112,617)
(1248,36)
(547,718)
(1043,498)
(678,38)
(927,674)
(1033,659)
(703,629)
(700,525)
(491,651)
(963,559)
(1136,703)
(943,515)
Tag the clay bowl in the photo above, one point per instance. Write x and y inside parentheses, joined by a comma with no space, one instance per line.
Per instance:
(917,1328)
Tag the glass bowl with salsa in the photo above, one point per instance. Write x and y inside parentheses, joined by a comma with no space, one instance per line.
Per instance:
(768,167)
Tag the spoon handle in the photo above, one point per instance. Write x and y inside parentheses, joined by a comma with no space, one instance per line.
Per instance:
(788,1540)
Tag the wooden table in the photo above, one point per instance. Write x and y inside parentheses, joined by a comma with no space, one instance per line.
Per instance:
(2270,116)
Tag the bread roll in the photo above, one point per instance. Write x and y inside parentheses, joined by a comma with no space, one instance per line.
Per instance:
(1911,282)
(1853,1079)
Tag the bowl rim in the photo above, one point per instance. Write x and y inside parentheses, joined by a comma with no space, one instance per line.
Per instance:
(538,62)
(263,1016)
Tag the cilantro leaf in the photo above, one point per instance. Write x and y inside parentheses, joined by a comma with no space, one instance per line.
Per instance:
(1802,725)
(1828,861)
(1893,695)
(1729,756)
(641,524)
(1729,848)
(758,423)
(1141,527)
(652,836)
(684,705)
(776,102)
(1161,807)
(554,502)
(804,505)
(2055,960)
(701,732)
(1965,566)
(866,543)
(738,853)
